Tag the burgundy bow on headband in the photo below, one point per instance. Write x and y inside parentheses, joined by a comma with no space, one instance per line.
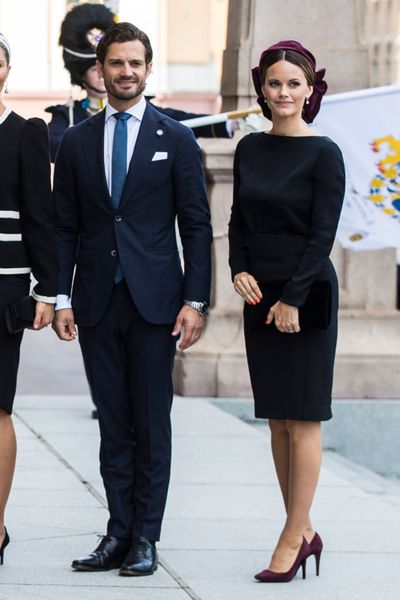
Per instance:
(319,86)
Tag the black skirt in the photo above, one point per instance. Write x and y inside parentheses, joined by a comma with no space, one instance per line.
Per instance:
(11,287)
(291,374)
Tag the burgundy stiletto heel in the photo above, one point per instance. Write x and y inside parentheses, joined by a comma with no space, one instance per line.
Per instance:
(317,559)
(267,576)
(316,546)
(3,546)
(303,568)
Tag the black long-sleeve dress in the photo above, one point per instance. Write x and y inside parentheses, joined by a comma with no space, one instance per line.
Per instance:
(288,194)
(27,241)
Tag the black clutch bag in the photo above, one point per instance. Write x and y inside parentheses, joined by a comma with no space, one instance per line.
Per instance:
(20,313)
(314,314)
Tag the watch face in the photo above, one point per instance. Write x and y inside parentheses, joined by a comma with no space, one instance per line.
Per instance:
(201,307)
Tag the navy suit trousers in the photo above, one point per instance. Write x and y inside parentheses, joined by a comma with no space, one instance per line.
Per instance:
(129,364)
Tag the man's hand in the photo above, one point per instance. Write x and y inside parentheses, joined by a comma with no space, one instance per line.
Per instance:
(192,322)
(44,314)
(64,324)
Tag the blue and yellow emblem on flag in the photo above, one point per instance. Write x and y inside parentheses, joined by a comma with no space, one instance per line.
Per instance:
(384,189)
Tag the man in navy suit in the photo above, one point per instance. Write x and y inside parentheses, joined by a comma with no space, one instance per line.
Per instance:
(122,178)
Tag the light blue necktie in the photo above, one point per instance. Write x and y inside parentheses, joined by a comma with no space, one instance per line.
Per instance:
(119,169)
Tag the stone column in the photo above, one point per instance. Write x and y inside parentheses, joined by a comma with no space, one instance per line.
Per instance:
(216,365)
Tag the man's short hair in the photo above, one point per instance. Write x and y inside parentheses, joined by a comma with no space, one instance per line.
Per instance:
(120,33)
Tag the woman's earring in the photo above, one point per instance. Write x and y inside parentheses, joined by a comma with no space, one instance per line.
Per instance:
(307,100)
(265,100)
(6,87)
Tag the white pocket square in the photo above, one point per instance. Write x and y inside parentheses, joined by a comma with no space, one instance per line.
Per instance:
(160,156)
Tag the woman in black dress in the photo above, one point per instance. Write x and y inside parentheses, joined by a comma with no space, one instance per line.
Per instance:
(26,244)
(288,192)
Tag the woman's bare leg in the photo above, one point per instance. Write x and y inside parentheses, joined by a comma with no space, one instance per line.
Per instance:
(280,445)
(304,467)
(8,451)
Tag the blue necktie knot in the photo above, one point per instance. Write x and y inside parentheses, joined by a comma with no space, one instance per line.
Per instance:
(122,116)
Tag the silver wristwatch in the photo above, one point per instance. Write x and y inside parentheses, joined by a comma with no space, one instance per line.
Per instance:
(201,307)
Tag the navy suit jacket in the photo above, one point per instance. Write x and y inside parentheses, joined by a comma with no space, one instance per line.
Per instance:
(91,234)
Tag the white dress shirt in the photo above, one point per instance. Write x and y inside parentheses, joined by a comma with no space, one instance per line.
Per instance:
(133,125)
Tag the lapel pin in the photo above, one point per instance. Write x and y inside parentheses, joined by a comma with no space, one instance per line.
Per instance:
(159,132)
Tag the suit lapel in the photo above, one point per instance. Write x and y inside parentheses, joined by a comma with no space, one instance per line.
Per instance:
(93,145)
(147,143)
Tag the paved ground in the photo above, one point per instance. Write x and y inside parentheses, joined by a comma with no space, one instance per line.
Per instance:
(224,510)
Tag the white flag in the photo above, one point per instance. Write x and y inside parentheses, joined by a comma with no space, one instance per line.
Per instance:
(366,126)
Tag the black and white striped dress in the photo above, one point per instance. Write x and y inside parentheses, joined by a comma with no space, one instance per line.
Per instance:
(26,230)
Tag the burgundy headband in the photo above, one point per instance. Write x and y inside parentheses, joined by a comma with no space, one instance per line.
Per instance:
(319,86)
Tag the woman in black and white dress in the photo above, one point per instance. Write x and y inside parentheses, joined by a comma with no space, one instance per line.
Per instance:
(26,245)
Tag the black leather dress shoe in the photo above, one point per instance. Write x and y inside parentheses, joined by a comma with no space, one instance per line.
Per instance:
(109,554)
(142,558)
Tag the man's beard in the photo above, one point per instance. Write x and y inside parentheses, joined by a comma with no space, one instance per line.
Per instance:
(126,94)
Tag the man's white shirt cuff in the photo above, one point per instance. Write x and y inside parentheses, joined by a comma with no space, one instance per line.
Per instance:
(63,301)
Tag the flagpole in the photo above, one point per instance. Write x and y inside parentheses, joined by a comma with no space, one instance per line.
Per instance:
(221,117)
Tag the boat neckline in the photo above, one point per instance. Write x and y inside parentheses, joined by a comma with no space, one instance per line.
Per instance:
(291,137)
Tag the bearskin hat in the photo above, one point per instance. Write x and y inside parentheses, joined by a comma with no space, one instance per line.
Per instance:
(81,30)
